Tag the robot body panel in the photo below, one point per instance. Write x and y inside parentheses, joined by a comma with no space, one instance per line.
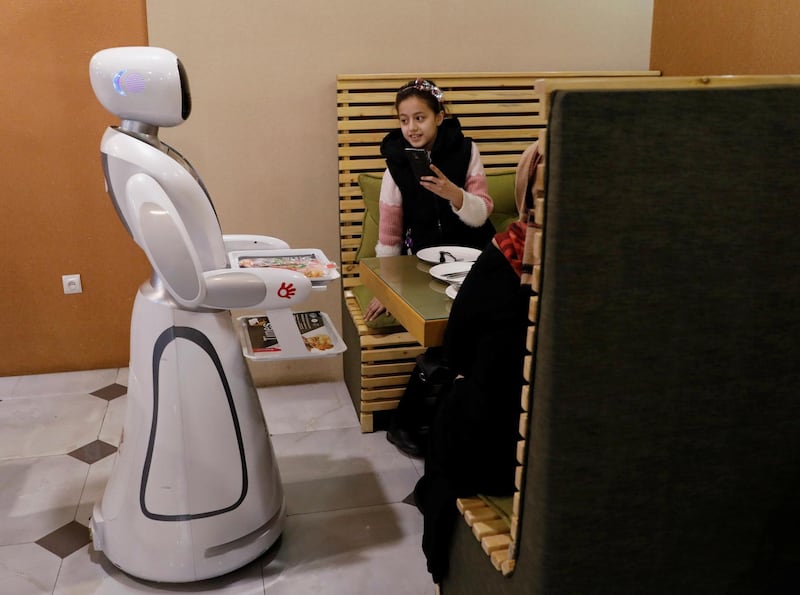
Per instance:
(195,471)
(167,211)
(127,156)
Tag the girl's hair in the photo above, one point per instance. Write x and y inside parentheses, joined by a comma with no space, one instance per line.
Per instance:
(425,90)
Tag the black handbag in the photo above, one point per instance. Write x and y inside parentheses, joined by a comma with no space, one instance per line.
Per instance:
(411,421)
(431,378)
(432,369)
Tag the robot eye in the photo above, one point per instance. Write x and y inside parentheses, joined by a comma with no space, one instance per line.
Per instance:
(116,82)
(134,83)
(128,82)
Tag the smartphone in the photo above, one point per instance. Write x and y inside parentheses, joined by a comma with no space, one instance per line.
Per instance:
(420,162)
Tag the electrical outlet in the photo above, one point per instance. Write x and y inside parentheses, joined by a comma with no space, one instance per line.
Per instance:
(71,283)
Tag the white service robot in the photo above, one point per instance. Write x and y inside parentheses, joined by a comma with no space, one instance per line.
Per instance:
(195,491)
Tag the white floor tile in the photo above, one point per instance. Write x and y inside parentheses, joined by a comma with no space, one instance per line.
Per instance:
(343,468)
(419,464)
(307,407)
(111,430)
(87,572)
(39,426)
(37,496)
(64,383)
(27,569)
(347,531)
(122,377)
(353,551)
(96,481)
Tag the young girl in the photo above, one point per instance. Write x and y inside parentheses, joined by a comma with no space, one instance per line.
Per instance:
(451,207)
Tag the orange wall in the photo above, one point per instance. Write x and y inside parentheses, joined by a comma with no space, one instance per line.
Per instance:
(692,37)
(56,216)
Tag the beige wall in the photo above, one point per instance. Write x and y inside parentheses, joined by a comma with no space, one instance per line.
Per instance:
(263,130)
(262,133)
(263,74)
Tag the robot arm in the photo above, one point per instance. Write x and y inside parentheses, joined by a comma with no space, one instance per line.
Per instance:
(160,231)
(255,288)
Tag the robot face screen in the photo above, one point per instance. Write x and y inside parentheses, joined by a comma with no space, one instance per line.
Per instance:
(186,103)
(144,84)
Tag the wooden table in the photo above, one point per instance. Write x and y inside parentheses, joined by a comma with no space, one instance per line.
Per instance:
(417,300)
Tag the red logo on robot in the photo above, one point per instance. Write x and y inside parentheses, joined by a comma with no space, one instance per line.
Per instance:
(287,290)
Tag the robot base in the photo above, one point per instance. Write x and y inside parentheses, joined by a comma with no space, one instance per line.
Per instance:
(229,556)
(195,491)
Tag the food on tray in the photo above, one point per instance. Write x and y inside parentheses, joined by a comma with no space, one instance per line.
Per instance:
(321,342)
(311,325)
(308,264)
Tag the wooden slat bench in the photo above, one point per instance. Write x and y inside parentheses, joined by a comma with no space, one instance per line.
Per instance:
(500,111)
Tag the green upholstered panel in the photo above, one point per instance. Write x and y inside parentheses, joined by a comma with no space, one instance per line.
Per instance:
(666,365)
(364,296)
(503,506)
(501,189)
(370,185)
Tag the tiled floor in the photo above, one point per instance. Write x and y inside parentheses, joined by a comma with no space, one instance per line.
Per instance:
(350,528)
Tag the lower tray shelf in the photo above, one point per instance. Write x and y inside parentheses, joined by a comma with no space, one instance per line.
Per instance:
(273,336)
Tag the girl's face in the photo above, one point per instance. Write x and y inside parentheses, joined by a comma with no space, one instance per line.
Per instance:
(418,122)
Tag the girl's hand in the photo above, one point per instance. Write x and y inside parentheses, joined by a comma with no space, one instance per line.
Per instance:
(374,309)
(443,187)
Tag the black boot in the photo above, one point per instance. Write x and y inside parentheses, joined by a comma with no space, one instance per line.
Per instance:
(411,443)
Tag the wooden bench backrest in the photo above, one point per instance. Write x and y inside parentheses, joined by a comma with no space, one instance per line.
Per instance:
(500,111)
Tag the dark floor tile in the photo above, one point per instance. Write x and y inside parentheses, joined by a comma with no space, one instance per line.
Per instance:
(66,540)
(93,452)
(410,499)
(110,392)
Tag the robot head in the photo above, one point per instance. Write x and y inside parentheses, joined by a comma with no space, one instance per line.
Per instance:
(143,84)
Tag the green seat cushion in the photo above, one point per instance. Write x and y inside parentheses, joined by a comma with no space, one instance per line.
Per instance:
(501,189)
(364,297)
(371,192)
(503,506)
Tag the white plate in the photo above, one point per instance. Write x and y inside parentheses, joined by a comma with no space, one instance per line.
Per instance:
(452,291)
(459,253)
(451,272)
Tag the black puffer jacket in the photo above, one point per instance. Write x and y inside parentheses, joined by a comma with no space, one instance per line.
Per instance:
(429,220)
